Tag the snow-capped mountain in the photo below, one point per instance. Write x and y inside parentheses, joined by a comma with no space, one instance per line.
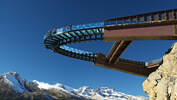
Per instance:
(15,81)
(57,86)
(57,91)
(85,91)
(110,94)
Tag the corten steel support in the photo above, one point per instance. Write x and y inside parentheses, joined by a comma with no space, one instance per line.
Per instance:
(115,45)
(164,32)
(117,50)
(125,66)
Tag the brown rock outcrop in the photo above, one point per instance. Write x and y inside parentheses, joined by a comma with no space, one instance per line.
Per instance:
(162,84)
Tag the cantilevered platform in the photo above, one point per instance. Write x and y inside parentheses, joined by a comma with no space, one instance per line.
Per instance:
(161,25)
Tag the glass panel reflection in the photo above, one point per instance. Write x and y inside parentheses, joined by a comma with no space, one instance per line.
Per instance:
(77,50)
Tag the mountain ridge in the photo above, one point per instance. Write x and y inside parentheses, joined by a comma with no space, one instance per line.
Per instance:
(21,88)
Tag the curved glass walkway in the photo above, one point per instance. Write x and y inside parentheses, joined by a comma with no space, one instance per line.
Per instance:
(58,38)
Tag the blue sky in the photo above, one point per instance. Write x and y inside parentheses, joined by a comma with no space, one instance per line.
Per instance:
(23,24)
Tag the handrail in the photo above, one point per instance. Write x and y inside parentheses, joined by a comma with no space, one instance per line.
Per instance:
(157,14)
(78,27)
(166,15)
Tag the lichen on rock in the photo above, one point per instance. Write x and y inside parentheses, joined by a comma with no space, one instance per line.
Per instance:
(162,84)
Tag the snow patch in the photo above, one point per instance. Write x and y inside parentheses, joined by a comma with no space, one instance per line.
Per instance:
(56,86)
(85,91)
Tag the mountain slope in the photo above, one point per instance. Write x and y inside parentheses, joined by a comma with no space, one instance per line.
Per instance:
(14,87)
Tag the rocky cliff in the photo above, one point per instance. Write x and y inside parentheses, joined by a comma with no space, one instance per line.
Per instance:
(162,84)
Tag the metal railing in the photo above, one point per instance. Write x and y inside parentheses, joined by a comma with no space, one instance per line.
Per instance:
(117,22)
(166,15)
(77,50)
(79,27)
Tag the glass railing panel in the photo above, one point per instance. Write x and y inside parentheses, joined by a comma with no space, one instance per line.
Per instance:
(65,47)
(98,36)
(76,50)
(84,32)
(63,35)
(67,34)
(59,37)
(80,51)
(75,27)
(54,39)
(60,30)
(92,37)
(78,33)
(119,22)
(72,33)
(45,36)
(90,32)
(96,31)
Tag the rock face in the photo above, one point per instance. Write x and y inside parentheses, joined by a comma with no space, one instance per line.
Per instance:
(162,84)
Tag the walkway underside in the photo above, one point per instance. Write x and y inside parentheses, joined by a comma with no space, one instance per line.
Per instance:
(113,61)
(125,65)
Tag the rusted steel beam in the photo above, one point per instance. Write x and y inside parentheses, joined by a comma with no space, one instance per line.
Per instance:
(140,25)
(167,32)
(119,51)
(115,45)
(124,66)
